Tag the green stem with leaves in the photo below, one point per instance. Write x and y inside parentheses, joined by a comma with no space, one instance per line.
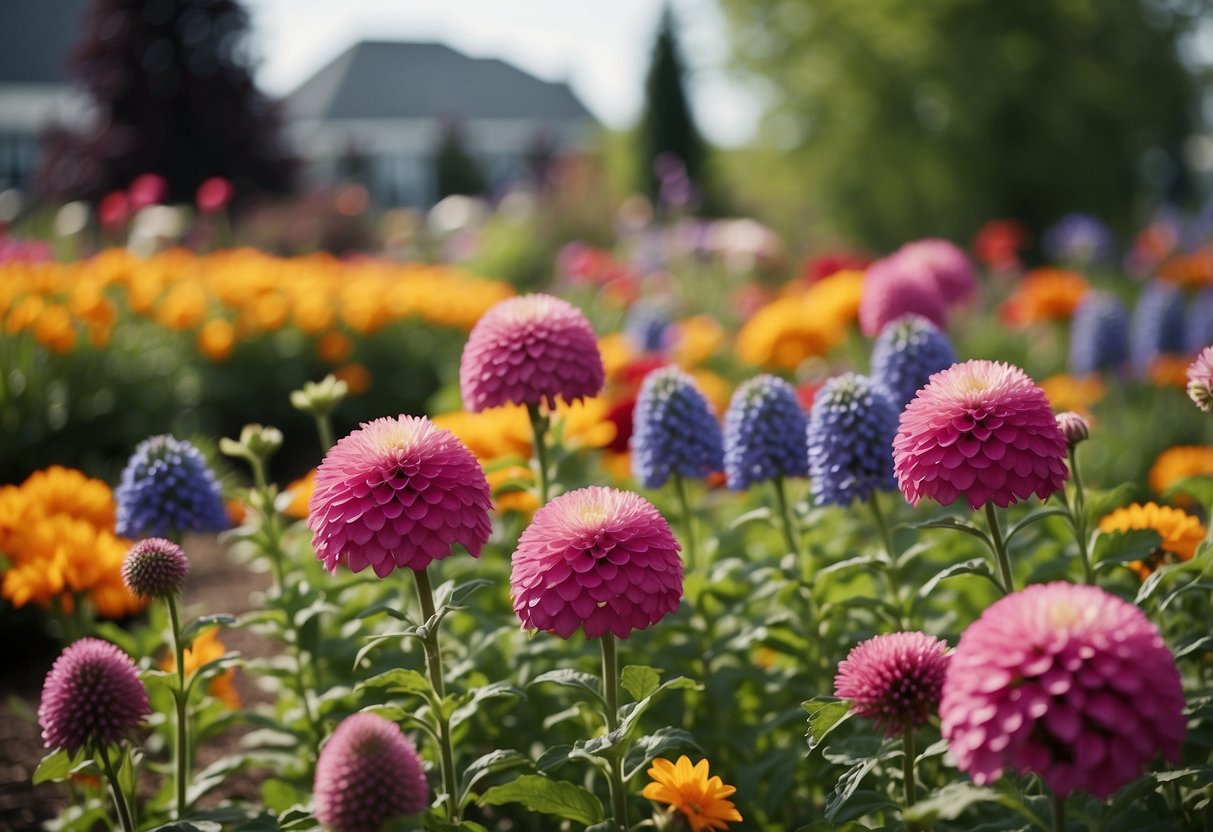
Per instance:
(785,517)
(610,691)
(1078,518)
(539,430)
(120,803)
(889,573)
(688,519)
(1000,550)
(181,703)
(433,661)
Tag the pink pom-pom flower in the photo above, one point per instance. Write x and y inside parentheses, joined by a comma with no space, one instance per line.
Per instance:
(92,696)
(895,679)
(596,558)
(398,492)
(529,350)
(945,263)
(1064,681)
(368,773)
(891,290)
(981,429)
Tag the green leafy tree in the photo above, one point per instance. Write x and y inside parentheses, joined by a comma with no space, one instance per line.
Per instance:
(455,170)
(667,128)
(913,117)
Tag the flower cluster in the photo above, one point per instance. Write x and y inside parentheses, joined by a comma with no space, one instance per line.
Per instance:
(908,351)
(1064,681)
(981,429)
(397,493)
(167,489)
(804,323)
(895,679)
(764,433)
(598,559)
(57,534)
(1158,325)
(1099,335)
(674,430)
(850,441)
(531,350)
(92,696)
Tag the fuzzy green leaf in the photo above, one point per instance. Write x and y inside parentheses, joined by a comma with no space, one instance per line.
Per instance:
(550,797)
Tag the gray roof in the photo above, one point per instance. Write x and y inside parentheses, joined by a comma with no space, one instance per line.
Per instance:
(35,39)
(376,79)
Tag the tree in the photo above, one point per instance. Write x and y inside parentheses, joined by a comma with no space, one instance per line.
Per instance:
(668,135)
(455,170)
(173,91)
(905,118)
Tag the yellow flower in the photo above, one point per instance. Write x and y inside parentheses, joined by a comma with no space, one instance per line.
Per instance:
(54,329)
(1065,392)
(216,339)
(696,339)
(617,353)
(687,788)
(798,326)
(24,314)
(206,648)
(183,307)
(1181,533)
(1180,462)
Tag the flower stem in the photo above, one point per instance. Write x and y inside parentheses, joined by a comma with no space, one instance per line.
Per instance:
(907,764)
(1078,518)
(1059,813)
(889,573)
(610,690)
(539,428)
(180,700)
(433,661)
(785,517)
(324,430)
(111,774)
(688,519)
(1000,550)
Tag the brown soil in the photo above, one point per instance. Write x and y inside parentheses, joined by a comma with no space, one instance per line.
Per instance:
(215,584)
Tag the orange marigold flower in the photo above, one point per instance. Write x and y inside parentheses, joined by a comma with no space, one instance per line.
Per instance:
(300,491)
(334,347)
(689,789)
(1046,294)
(356,376)
(54,329)
(1171,466)
(1170,371)
(216,339)
(1181,532)
(206,648)
(1065,392)
(1195,269)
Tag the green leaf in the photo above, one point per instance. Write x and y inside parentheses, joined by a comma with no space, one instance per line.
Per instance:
(956,524)
(551,797)
(852,563)
(759,514)
(56,766)
(632,712)
(1199,488)
(570,678)
(973,566)
(1098,502)
(846,786)
(398,680)
(639,680)
(281,796)
(500,760)
(1034,517)
(1118,548)
(203,621)
(952,801)
(470,703)
(825,714)
(657,744)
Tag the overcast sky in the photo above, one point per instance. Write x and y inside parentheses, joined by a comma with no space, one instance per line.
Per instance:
(600,47)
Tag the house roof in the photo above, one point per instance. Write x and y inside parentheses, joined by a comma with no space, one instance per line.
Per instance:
(35,39)
(376,79)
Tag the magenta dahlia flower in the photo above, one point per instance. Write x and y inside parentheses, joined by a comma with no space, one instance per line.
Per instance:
(947,265)
(92,696)
(1064,681)
(529,350)
(368,773)
(891,289)
(981,429)
(895,679)
(397,493)
(598,558)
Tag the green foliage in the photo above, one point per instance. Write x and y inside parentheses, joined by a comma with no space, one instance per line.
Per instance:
(905,119)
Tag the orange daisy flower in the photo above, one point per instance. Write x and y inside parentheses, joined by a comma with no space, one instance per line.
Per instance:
(689,789)
(1181,532)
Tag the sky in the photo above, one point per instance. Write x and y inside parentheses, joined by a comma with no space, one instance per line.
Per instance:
(600,47)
